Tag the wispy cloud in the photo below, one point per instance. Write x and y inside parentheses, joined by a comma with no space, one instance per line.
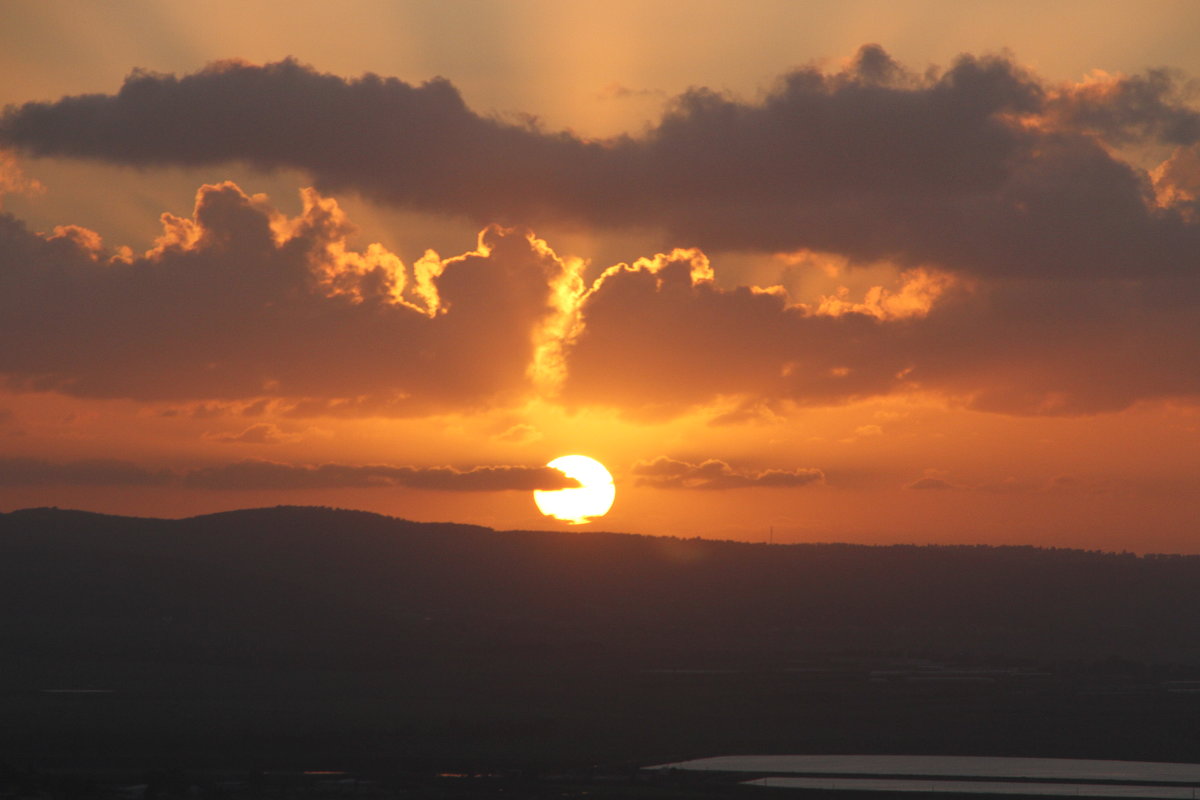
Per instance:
(259,433)
(713,474)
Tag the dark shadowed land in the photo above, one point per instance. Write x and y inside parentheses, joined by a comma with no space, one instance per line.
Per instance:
(314,639)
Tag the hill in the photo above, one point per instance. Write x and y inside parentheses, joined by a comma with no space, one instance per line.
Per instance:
(285,634)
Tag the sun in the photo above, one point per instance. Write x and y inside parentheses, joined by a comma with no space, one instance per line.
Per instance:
(592,499)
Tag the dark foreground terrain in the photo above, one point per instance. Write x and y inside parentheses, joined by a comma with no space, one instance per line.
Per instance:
(231,654)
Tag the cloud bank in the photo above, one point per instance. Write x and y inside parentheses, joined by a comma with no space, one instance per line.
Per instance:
(84,472)
(270,475)
(712,474)
(239,301)
(981,167)
(1042,271)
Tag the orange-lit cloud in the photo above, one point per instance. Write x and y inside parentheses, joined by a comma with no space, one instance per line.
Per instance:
(239,302)
(1154,106)
(915,297)
(1177,181)
(13,179)
(1039,273)
(240,309)
(662,336)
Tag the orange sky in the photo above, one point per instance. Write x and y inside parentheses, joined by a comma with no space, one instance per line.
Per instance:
(844,271)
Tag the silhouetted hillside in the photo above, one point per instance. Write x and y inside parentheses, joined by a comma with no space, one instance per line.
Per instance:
(296,630)
(293,581)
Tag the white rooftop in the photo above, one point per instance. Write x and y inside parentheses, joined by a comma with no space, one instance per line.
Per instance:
(1095,790)
(1065,769)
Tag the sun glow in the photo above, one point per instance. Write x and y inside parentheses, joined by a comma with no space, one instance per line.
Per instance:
(592,499)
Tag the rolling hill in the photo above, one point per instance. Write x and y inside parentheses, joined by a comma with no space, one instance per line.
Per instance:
(287,634)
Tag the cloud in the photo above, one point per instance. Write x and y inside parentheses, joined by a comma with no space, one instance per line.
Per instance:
(680,339)
(241,302)
(931,483)
(1154,106)
(255,409)
(86,472)
(1059,484)
(520,433)
(209,411)
(13,179)
(934,480)
(668,473)
(1023,346)
(1037,271)
(260,433)
(1177,181)
(981,167)
(269,475)
(618,91)
(240,310)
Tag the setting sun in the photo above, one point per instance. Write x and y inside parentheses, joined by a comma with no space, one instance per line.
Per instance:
(592,499)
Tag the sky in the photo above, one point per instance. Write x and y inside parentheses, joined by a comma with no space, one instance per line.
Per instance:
(920,272)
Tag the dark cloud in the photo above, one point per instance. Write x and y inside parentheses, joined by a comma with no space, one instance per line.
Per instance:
(243,310)
(661,336)
(1045,275)
(87,472)
(931,483)
(240,310)
(667,473)
(239,302)
(980,167)
(1154,106)
(271,475)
